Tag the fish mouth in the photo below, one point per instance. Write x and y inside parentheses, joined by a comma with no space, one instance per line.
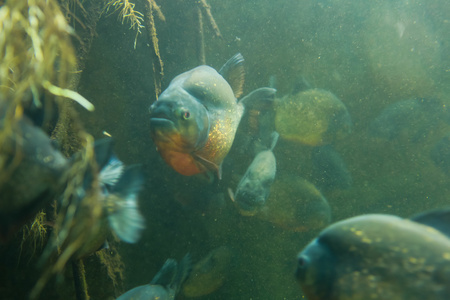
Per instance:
(160,119)
(248,207)
(162,128)
(161,123)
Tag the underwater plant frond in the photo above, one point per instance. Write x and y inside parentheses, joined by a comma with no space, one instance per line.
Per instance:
(37,55)
(41,51)
(68,94)
(34,233)
(127,14)
(115,267)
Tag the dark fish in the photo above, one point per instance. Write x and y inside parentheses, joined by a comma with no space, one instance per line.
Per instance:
(329,169)
(116,195)
(31,171)
(379,257)
(410,119)
(295,204)
(105,200)
(209,274)
(440,154)
(254,187)
(194,121)
(166,283)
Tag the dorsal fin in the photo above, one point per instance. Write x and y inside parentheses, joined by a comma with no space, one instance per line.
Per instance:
(301,85)
(275,135)
(183,271)
(103,149)
(234,74)
(438,219)
(166,276)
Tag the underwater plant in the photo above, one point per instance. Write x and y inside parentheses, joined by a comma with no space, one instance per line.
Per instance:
(127,13)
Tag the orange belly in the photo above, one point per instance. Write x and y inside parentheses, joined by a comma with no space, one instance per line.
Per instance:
(181,162)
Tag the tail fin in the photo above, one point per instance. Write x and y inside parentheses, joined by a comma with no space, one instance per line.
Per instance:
(111,172)
(301,85)
(273,81)
(103,150)
(166,276)
(172,274)
(123,213)
(184,269)
(275,135)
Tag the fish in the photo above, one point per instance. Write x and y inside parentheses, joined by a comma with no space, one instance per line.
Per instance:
(194,121)
(209,274)
(329,169)
(410,119)
(166,283)
(295,204)
(440,154)
(313,117)
(105,201)
(379,256)
(32,170)
(254,187)
(116,195)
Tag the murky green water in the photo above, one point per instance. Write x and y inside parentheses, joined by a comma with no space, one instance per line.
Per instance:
(370,54)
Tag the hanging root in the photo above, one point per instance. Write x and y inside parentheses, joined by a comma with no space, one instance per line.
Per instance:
(207,10)
(158,65)
(200,38)
(127,14)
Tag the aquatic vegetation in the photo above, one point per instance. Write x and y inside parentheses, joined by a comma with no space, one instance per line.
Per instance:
(35,234)
(69,234)
(40,58)
(113,263)
(127,13)
(158,65)
(43,58)
(204,8)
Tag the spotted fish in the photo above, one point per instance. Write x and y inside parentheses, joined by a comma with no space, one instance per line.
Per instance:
(194,121)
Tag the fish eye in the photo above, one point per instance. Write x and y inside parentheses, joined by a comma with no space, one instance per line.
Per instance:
(186,115)
(302,262)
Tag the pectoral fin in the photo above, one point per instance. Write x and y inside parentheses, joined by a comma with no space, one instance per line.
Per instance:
(209,165)
(438,219)
(259,98)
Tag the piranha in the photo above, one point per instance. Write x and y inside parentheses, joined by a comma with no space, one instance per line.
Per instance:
(210,273)
(104,201)
(254,187)
(116,195)
(379,257)
(166,283)
(31,169)
(194,121)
